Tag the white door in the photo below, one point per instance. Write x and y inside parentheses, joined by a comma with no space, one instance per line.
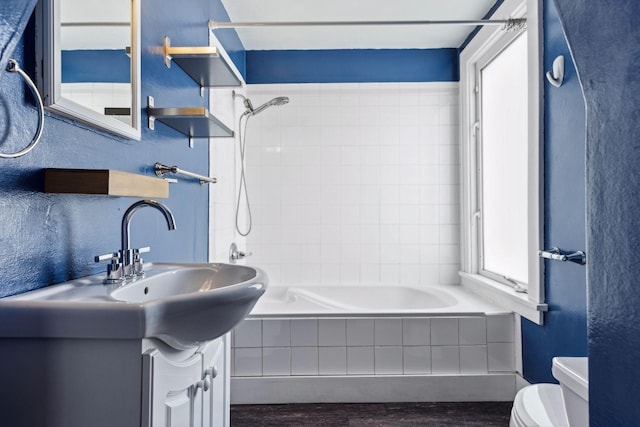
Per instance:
(172,391)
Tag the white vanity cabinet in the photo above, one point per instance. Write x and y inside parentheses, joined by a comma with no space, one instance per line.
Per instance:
(186,388)
(216,358)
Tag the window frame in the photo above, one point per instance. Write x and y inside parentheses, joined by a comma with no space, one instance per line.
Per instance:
(488,43)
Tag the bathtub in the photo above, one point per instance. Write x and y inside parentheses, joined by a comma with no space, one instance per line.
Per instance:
(375,300)
(327,344)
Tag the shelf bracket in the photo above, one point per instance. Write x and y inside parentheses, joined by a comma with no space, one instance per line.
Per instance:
(152,119)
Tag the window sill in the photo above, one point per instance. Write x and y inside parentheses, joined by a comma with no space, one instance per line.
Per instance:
(504,296)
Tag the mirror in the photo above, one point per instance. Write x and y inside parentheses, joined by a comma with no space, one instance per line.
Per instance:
(89,51)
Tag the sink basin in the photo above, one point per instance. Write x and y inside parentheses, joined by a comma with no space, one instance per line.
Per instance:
(182,304)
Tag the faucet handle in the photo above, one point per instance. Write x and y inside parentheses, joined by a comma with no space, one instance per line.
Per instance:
(138,270)
(235,254)
(114,269)
(107,257)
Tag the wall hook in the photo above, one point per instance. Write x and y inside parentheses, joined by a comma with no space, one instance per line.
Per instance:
(557,76)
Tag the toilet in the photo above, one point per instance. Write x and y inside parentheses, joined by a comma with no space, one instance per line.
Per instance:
(552,405)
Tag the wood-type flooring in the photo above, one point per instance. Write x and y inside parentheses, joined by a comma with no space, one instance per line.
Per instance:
(465,414)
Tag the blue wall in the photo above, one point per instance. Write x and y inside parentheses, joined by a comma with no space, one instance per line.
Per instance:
(605,42)
(353,65)
(50,238)
(565,325)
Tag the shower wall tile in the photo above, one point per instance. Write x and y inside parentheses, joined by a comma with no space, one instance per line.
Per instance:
(358,158)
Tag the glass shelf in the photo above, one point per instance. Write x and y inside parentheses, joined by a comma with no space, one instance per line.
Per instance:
(195,122)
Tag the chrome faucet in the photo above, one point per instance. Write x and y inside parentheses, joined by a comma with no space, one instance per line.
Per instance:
(127,263)
(130,265)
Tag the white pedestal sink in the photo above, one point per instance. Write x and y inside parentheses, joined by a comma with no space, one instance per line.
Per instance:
(182,304)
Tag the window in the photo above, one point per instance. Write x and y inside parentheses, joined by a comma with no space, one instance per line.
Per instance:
(501,142)
(501,167)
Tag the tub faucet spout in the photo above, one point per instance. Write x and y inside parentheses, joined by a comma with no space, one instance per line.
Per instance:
(130,258)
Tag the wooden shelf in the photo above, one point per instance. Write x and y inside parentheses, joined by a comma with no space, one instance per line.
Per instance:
(107,182)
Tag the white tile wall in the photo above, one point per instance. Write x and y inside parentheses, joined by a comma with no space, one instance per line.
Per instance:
(381,346)
(248,362)
(332,360)
(416,331)
(276,361)
(223,162)
(360,332)
(360,360)
(500,328)
(444,331)
(445,359)
(304,361)
(417,360)
(473,359)
(388,360)
(248,334)
(501,356)
(276,333)
(388,332)
(304,332)
(472,330)
(355,183)
(332,332)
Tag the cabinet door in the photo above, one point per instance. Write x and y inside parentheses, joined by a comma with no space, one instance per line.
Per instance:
(172,391)
(215,359)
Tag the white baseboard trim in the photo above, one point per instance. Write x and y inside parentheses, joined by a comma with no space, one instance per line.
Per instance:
(373,389)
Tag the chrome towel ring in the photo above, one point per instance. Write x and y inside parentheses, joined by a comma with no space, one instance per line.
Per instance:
(13,67)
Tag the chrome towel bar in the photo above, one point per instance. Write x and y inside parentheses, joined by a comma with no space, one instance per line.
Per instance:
(161,170)
(578,257)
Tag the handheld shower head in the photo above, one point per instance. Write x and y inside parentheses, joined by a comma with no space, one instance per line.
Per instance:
(281,100)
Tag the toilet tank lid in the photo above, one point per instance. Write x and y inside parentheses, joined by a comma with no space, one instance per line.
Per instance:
(573,373)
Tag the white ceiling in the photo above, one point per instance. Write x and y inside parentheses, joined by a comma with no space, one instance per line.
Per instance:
(348,37)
